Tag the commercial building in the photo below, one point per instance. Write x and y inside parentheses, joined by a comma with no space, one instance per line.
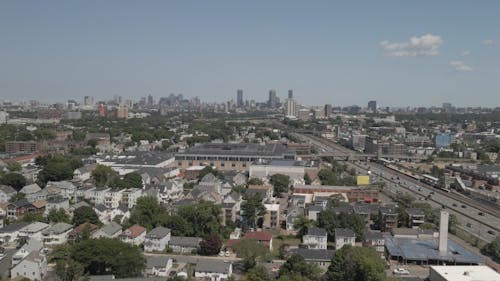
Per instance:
(21,146)
(463,273)
(372,106)
(294,169)
(353,193)
(239,98)
(231,156)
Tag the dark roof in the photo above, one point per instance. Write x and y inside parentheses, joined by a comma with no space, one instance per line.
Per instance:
(344,232)
(183,241)
(13,227)
(316,231)
(158,233)
(20,203)
(212,266)
(388,210)
(314,255)
(7,189)
(156,261)
(415,212)
(373,235)
(239,149)
(315,208)
(100,207)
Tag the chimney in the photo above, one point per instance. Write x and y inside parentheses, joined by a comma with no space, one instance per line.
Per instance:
(443,232)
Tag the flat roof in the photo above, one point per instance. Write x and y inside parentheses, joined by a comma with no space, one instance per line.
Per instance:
(425,249)
(466,273)
(237,149)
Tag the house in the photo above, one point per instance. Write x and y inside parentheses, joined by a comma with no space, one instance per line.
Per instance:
(265,191)
(10,233)
(81,230)
(344,236)
(263,237)
(30,189)
(33,230)
(272,216)
(321,201)
(134,235)
(158,266)
(17,209)
(34,267)
(113,197)
(157,239)
(121,213)
(56,234)
(130,196)
(169,191)
(6,192)
(375,239)
(297,200)
(313,211)
(110,230)
(67,189)
(214,270)
(82,174)
(184,245)
(31,245)
(316,238)
(291,216)
(416,217)
(320,257)
(388,217)
(56,203)
(363,210)
(102,211)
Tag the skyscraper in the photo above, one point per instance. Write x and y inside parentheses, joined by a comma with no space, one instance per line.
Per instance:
(328,110)
(273,98)
(290,94)
(372,106)
(239,98)
(290,106)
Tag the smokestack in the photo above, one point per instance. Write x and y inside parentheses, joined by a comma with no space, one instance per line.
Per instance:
(443,232)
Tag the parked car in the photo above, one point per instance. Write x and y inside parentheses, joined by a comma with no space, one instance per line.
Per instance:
(401,271)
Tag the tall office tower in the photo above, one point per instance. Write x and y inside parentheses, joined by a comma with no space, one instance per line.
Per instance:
(372,106)
(328,110)
(291,108)
(150,101)
(239,98)
(290,94)
(272,102)
(88,101)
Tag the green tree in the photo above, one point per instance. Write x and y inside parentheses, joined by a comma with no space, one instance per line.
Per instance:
(15,180)
(57,168)
(255,181)
(210,245)
(356,263)
(18,196)
(85,214)
(307,179)
(69,270)
(258,273)
(296,265)
(493,249)
(133,180)
(302,224)
(14,166)
(108,256)
(204,219)
(327,177)
(280,183)
(252,208)
(58,215)
(146,212)
(329,220)
(104,175)
(250,250)
(32,217)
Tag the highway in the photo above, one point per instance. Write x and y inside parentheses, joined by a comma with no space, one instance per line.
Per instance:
(479,220)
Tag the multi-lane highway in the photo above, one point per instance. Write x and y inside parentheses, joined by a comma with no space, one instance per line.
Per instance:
(473,217)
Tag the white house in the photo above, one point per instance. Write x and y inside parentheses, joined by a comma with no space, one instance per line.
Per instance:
(134,235)
(344,236)
(34,267)
(316,238)
(158,266)
(33,230)
(157,239)
(32,245)
(110,230)
(213,269)
(57,234)
(6,192)
(56,203)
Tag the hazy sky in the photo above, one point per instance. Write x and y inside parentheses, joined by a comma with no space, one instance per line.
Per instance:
(397,52)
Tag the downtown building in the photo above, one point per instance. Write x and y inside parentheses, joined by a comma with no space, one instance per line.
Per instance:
(231,156)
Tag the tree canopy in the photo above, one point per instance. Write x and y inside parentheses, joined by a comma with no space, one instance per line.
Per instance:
(280,183)
(15,180)
(356,263)
(252,208)
(56,168)
(250,250)
(85,214)
(329,220)
(210,245)
(297,268)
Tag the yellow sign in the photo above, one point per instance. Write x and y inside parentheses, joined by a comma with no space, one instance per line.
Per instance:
(363,180)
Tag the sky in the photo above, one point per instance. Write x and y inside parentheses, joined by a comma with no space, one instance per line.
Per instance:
(400,53)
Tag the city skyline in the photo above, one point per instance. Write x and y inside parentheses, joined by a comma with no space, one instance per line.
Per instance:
(328,53)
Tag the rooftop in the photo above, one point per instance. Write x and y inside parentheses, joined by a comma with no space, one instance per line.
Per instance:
(212,266)
(314,255)
(57,228)
(344,232)
(466,273)
(158,233)
(238,149)
(316,231)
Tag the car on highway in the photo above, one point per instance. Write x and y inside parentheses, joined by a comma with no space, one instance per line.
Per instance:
(491,232)
(468,225)
(463,206)
(454,204)
(481,213)
(401,271)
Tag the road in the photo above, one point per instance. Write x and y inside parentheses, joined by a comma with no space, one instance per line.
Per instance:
(6,262)
(479,221)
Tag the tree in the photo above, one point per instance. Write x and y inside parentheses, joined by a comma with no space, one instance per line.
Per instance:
(178,225)
(14,166)
(32,217)
(329,220)
(296,265)
(85,214)
(146,212)
(58,215)
(280,183)
(15,180)
(69,270)
(307,179)
(132,180)
(57,168)
(104,175)
(302,224)
(250,250)
(493,249)
(210,245)
(204,219)
(356,263)
(258,273)
(327,177)
(252,208)
(255,181)
(108,256)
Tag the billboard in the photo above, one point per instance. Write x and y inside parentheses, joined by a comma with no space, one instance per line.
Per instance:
(363,180)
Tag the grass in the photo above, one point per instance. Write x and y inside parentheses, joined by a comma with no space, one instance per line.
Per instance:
(280,240)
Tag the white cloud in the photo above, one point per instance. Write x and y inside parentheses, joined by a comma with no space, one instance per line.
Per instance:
(425,45)
(465,53)
(489,42)
(459,65)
